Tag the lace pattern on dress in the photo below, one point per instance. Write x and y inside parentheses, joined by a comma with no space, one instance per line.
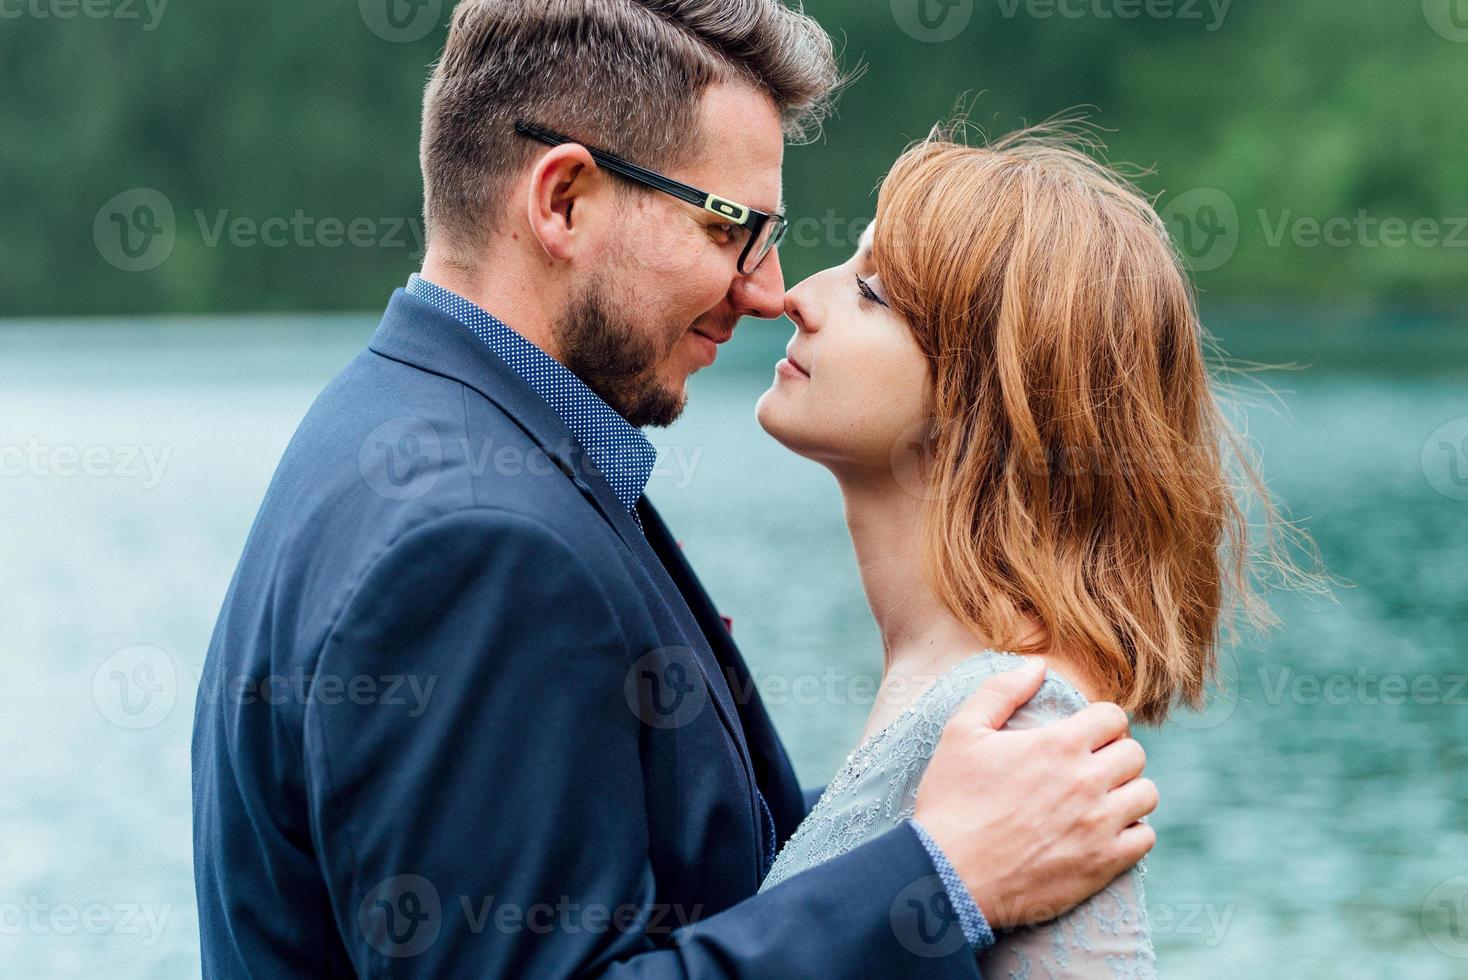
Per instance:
(876,789)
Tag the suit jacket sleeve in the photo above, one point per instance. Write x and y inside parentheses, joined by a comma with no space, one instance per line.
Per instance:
(496,827)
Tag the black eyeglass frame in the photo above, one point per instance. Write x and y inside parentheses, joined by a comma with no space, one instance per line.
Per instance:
(748,218)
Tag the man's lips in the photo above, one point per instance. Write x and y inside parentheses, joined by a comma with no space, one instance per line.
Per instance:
(712,339)
(717,336)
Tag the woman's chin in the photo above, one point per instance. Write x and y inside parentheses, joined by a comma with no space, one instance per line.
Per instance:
(780,419)
(766,412)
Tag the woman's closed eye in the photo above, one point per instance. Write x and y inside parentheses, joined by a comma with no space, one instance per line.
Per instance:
(868,293)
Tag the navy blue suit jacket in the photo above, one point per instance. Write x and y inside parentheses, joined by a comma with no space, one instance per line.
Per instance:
(461,717)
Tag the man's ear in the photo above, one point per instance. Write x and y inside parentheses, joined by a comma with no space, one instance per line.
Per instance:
(560,183)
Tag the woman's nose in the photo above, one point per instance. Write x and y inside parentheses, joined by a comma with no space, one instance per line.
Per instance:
(797,306)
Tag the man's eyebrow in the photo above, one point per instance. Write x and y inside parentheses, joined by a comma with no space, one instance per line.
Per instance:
(779,207)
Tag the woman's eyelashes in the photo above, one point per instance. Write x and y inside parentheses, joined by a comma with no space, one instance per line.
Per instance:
(868,293)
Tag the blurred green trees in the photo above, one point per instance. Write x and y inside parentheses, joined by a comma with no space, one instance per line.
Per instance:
(1316,150)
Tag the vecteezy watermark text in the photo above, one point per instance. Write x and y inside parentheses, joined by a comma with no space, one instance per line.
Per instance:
(36,459)
(1206,225)
(402,916)
(147,12)
(402,459)
(1212,13)
(1363,230)
(301,230)
(409,691)
(36,917)
(137,230)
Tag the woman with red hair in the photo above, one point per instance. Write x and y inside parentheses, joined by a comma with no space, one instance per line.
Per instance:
(1008,382)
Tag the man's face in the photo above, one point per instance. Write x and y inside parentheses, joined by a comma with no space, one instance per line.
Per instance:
(670,291)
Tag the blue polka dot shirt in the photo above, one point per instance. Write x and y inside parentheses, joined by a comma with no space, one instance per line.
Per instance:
(618,450)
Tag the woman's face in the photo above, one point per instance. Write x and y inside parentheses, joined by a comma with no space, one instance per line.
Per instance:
(855,385)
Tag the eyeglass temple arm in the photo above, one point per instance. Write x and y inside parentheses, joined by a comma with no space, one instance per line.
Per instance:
(737,213)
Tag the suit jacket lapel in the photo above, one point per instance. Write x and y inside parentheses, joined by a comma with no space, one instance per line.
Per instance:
(775,775)
(420,334)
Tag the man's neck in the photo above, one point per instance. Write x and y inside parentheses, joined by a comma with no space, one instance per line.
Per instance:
(512,292)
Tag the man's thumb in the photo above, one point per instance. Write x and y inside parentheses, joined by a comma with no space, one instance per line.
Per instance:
(1000,696)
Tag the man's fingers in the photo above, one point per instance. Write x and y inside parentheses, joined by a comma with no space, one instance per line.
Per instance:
(1133,801)
(1121,761)
(999,697)
(1134,843)
(1094,726)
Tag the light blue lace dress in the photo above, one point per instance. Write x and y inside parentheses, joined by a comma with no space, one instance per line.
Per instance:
(1107,936)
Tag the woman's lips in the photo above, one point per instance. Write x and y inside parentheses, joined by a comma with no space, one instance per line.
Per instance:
(790,368)
(796,363)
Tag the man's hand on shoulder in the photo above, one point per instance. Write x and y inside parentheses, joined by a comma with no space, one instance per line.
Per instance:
(1036,821)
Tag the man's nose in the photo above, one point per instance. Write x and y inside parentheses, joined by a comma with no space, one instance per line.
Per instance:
(762,292)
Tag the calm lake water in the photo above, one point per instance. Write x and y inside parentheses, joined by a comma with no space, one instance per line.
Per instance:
(1314,820)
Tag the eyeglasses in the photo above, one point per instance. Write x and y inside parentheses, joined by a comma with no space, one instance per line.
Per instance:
(766,231)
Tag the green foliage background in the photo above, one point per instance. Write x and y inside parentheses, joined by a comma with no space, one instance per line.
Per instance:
(1292,108)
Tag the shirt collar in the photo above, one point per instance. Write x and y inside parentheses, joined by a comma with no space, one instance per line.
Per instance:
(620,451)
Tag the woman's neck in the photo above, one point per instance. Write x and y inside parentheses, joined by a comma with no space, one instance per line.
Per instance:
(921,639)
(917,630)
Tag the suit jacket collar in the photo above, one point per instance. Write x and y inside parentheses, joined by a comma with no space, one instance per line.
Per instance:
(417,333)
(620,450)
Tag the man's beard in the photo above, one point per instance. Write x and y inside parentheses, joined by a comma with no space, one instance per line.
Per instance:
(617,361)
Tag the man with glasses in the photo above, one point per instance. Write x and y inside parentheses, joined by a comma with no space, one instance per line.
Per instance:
(590,785)
(761,232)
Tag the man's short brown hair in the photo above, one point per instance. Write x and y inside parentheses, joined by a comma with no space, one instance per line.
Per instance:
(625,75)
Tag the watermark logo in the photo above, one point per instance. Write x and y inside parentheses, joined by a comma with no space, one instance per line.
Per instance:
(401,458)
(1204,225)
(145,464)
(924,920)
(1445,917)
(409,692)
(1199,922)
(36,917)
(664,688)
(1448,17)
(1363,230)
(136,688)
(914,459)
(147,12)
(831,230)
(301,230)
(136,230)
(1361,688)
(933,21)
(1212,13)
(400,21)
(1445,459)
(402,916)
